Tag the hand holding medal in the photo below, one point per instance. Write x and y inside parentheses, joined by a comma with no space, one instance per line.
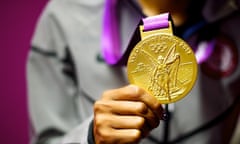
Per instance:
(161,63)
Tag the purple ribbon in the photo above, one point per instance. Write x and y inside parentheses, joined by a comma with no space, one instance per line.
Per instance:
(156,22)
(110,39)
(110,42)
(204,50)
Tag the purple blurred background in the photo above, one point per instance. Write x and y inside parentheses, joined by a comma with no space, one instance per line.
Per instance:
(17,23)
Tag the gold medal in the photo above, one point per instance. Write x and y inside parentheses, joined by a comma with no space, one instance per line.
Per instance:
(162,64)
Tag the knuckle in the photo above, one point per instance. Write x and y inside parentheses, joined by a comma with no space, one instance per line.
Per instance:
(105,94)
(99,121)
(157,106)
(101,106)
(97,106)
(101,136)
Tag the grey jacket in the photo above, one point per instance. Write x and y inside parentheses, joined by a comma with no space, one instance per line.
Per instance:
(65,76)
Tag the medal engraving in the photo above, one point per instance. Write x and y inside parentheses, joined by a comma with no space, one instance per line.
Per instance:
(163,65)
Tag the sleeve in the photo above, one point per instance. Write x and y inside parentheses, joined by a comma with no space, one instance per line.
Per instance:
(52,88)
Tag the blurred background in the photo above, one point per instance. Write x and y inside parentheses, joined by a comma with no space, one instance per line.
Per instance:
(17,23)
